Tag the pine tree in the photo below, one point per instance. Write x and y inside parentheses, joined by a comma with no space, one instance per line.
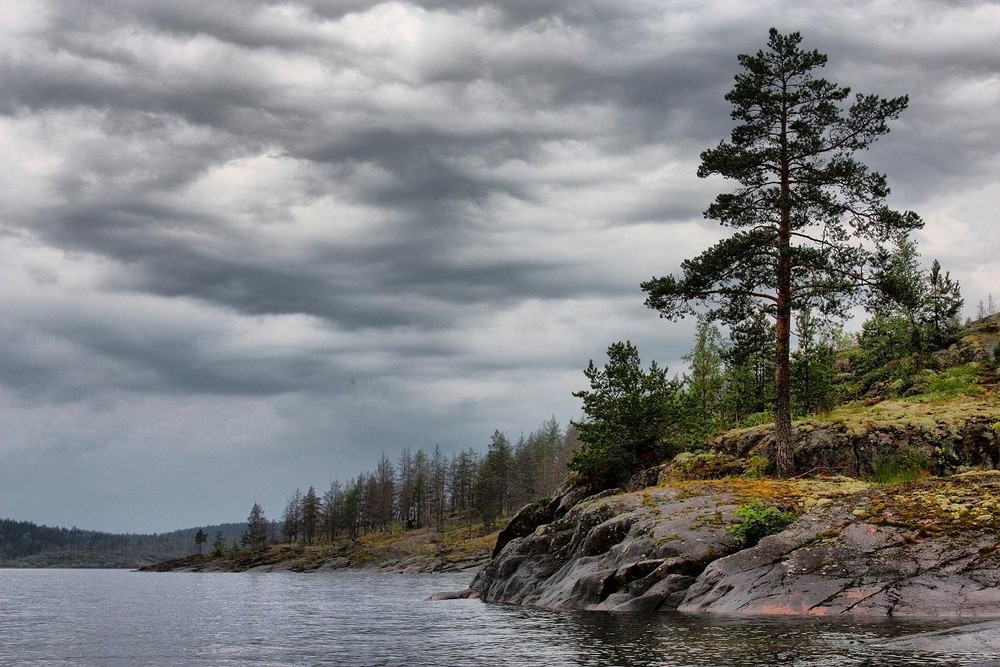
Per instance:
(257,535)
(291,518)
(630,412)
(310,514)
(200,538)
(807,213)
(704,381)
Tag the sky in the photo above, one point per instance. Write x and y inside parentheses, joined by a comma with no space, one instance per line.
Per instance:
(250,246)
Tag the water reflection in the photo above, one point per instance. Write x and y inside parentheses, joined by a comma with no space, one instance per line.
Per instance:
(98,618)
(679,640)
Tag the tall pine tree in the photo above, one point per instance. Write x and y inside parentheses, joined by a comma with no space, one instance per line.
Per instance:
(809,217)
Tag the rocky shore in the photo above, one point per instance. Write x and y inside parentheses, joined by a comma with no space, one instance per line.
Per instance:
(923,549)
(929,547)
(455,549)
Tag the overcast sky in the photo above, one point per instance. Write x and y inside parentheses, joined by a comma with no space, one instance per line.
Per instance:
(249,246)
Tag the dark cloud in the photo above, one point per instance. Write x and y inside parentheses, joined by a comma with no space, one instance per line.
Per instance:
(282,237)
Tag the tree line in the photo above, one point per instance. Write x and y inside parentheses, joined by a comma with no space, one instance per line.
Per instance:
(27,543)
(422,489)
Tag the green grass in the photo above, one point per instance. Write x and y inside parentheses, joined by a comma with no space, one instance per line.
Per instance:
(895,469)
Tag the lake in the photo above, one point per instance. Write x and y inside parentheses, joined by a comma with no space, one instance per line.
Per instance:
(360,618)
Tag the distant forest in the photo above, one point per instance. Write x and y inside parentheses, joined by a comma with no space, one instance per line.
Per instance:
(25,544)
(423,490)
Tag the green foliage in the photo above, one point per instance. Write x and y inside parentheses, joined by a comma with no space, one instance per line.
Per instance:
(495,480)
(813,372)
(258,534)
(894,468)
(942,305)
(885,353)
(219,545)
(200,538)
(750,368)
(921,308)
(631,414)
(759,466)
(759,521)
(703,385)
(951,382)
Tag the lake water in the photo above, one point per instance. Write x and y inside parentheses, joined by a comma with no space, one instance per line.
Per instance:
(117,617)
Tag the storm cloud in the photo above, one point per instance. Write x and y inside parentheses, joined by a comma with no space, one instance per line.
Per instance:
(250,246)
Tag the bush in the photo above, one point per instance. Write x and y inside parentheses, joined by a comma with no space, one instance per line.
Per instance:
(759,521)
(894,468)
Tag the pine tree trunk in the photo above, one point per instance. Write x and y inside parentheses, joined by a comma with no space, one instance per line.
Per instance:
(782,400)
(784,459)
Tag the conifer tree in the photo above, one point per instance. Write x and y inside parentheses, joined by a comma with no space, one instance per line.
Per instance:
(809,217)
(629,414)
(310,514)
(257,535)
(200,538)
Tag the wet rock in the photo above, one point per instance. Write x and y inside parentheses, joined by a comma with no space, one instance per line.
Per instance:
(837,563)
(465,594)
(923,549)
(625,551)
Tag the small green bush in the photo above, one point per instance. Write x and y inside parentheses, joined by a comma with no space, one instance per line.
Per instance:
(957,381)
(759,466)
(759,521)
(895,468)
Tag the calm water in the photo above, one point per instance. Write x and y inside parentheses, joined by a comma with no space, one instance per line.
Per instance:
(116,617)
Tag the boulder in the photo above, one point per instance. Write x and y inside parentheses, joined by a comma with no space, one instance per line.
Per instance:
(623,551)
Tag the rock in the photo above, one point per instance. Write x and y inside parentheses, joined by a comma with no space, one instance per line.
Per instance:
(836,563)
(627,551)
(924,549)
(947,442)
(465,594)
(982,638)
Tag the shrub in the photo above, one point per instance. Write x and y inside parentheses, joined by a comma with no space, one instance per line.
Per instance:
(759,521)
(895,468)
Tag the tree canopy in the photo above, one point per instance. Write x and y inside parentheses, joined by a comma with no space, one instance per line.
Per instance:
(629,413)
(809,218)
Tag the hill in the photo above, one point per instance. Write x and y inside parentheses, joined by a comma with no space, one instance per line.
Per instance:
(26,544)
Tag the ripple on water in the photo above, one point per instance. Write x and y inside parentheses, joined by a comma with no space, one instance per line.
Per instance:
(115,617)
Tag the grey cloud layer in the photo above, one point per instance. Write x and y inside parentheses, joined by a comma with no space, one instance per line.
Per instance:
(385,224)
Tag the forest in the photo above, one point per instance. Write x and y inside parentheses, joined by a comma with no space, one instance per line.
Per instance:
(423,490)
(26,544)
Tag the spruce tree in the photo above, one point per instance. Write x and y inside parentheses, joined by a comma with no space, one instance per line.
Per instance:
(809,217)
